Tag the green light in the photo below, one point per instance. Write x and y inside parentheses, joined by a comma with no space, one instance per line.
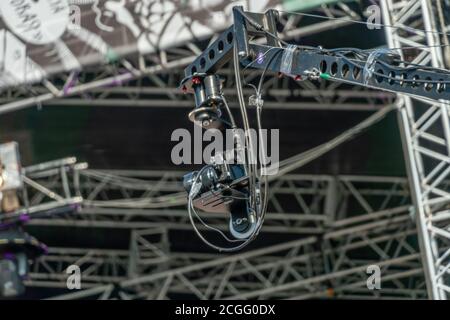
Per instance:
(325,76)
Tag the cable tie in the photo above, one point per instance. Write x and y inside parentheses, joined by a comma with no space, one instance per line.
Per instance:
(255,101)
(369,67)
(287,60)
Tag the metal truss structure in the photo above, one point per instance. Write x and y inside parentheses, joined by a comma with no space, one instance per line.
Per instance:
(426,136)
(327,267)
(347,223)
(297,203)
(148,253)
(49,188)
(124,83)
(295,270)
(353,222)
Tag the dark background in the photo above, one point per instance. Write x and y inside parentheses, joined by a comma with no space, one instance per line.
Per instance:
(139,138)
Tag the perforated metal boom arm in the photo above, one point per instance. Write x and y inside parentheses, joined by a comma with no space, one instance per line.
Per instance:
(385,74)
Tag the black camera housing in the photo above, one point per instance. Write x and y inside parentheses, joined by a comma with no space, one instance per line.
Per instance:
(224,189)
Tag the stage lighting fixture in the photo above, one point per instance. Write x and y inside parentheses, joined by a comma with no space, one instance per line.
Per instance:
(10,176)
(10,168)
(11,273)
(17,248)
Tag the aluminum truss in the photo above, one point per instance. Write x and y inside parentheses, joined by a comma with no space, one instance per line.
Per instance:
(330,264)
(327,267)
(148,253)
(160,91)
(426,137)
(97,266)
(358,221)
(49,188)
(123,84)
(306,204)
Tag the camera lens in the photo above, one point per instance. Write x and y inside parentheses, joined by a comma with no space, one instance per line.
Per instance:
(188,180)
(208,179)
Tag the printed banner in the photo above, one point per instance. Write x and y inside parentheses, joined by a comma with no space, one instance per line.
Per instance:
(41,38)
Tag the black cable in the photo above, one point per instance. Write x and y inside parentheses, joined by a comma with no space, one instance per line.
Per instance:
(230,115)
(251,171)
(259,27)
(339,51)
(365,23)
(265,195)
(191,207)
(418,66)
(250,166)
(265,70)
(396,79)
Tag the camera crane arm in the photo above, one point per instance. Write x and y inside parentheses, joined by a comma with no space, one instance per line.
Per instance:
(240,190)
(381,70)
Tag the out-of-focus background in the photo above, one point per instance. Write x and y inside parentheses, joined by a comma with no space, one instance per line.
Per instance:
(103,87)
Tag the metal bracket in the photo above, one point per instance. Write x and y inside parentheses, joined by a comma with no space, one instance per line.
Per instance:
(221,50)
